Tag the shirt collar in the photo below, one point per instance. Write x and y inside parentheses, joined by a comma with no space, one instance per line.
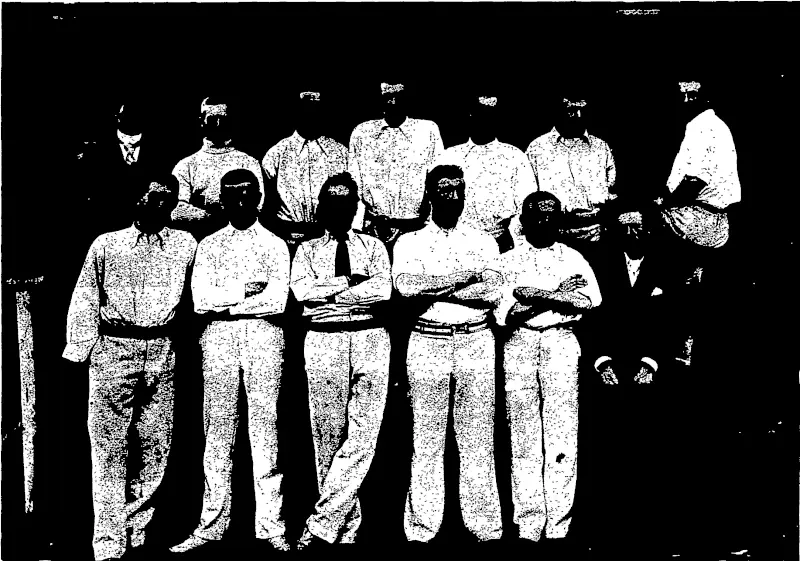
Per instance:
(128,140)
(247,232)
(156,239)
(301,143)
(384,126)
(329,238)
(437,231)
(558,138)
(486,147)
(215,150)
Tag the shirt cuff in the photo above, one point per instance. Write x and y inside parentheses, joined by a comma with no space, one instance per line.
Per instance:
(600,361)
(78,352)
(651,363)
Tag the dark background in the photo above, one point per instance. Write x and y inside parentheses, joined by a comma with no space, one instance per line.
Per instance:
(66,68)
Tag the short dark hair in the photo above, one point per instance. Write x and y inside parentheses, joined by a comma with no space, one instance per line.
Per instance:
(167,180)
(447,171)
(532,201)
(344,179)
(237,176)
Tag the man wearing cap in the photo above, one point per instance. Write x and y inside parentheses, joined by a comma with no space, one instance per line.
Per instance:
(198,209)
(576,167)
(388,159)
(498,175)
(445,267)
(339,278)
(298,166)
(122,318)
(547,287)
(240,284)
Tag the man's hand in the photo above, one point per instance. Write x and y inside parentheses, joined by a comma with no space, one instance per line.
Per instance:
(608,376)
(253,288)
(466,278)
(355,279)
(572,283)
(645,375)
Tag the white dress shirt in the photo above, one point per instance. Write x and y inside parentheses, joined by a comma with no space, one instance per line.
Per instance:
(543,268)
(129,145)
(437,252)
(579,171)
(199,175)
(633,266)
(498,178)
(390,164)
(300,167)
(314,280)
(708,153)
(229,259)
(128,279)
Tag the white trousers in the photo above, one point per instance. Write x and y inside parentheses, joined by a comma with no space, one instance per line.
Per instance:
(130,384)
(541,369)
(249,350)
(431,361)
(348,378)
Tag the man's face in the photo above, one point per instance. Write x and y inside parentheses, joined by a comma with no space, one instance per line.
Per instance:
(240,201)
(394,105)
(154,208)
(483,122)
(447,201)
(129,121)
(688,100)
(572,118)
(336,213)
(541,222)
(217,128)
(309,120)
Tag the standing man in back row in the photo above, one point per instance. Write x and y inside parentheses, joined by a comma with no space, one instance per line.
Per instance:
(389,159)
(296,167)
(498,175)
(578,168)
(199,210)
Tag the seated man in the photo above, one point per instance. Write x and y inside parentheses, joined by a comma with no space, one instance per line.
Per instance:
(339,278)
(122,318)
(547,288)
(634,350)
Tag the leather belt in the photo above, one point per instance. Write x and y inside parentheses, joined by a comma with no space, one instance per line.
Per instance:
(336,326)
(135,331)
(436,329)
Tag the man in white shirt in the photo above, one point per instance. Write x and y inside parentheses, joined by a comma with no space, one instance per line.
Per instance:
(704,180)
(199,175)
(297,167)
(339,278)
(547,287)
(576,167)
(240,283)
(498,175)
(389,159)
(445,267)
(122,318)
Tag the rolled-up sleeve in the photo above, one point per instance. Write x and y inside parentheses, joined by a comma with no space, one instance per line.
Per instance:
(83,317)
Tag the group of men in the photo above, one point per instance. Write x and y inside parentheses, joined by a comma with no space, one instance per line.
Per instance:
(485,248)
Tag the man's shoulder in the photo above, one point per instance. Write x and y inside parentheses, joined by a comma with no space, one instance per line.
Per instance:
(188,160)
(182,239)
(539,143)
(366,127)
(281,146)
(267,237)
(332,143)
(367,240)
(597,142)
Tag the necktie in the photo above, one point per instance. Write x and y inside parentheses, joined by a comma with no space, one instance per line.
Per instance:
(342,257)
(129,151)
